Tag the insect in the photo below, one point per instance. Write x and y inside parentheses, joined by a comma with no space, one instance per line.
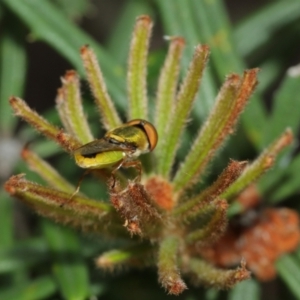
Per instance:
(119,147)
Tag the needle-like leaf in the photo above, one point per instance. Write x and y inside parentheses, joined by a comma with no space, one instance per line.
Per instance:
(137,68)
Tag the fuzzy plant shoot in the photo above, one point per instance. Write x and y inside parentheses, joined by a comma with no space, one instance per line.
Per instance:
(167,222)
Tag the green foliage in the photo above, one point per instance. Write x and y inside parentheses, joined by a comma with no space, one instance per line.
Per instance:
(49,262)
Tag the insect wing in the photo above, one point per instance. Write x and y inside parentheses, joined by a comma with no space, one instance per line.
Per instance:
(97,146)
(98,154)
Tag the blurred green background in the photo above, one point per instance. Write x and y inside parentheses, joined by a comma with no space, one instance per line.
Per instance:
(40,40)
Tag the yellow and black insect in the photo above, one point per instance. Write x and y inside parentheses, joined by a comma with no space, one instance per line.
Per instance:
(119,147)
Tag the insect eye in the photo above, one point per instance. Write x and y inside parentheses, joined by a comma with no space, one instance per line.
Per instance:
(149,129)
(152,135)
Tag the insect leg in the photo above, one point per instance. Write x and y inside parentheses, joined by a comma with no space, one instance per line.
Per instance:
(114,171)
(134,164)
(86,172)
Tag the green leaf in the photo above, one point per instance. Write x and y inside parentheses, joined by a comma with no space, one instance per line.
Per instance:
(137,68)
(212,17)
(230,102)
(260,165)
(178,21)
(167,87)
(6,220)
(23,254)
(289,271)
(40,288)
(257,29)
(69,267)
(284,113)
(246,290)
(104,104)
(46,171)
(206,22)
(168,271)
(74,8)
(184,102)
(118,43)
(46,148)
(270,69)
(70,108)
(211,294)
(213,20)
(112,259)
(12,72)
(22,110)
(50,25)
(287,181)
